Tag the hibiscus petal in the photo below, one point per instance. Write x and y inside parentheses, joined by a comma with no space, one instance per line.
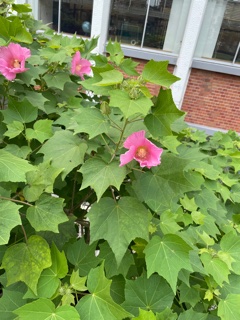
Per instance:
(136,139)
(128,156)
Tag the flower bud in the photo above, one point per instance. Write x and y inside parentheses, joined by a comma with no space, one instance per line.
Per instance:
(104,107)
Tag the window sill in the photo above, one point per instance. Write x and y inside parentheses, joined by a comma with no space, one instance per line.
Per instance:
(148,54)
(216,66)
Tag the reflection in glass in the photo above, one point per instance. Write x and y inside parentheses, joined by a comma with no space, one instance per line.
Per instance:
(157,23)
(229,35)
(149,23)
(127,21)
(75,15)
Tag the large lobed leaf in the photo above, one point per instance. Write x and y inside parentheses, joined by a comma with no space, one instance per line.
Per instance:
(65,150)
(151,293)
(100,175)
(167,256)
(90,121)
(47,213)
(128,106)
(25,262)
(156,72)
(163,116)
(9,218)
(119,223)
(168,181)
(44,309)
(99,303)
(13,168)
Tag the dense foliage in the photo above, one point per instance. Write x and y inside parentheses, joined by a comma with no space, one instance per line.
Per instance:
(82,237)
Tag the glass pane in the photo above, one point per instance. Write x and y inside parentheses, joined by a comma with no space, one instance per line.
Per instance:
(229,35)
(157,23)
(127,21)
(76,15)
(238,55)
(220,32)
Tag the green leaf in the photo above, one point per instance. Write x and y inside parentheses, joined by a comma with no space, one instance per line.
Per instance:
(190,315)
(145,315)
(168,223)
(110,78)
(49,280)
(42,130)
(115,51)
(148,294)
(21,111)
(13,29)
(47,214)
(168,181)
(14,129)
(118,223)
(99,303)
(230,243)
(38,99)
(44,309)
(189,295)
(163,116)
(156,72)
(40,180)
(110,263)
(20,152)
(100,175)
(10,301)
(25,262)
(59,262)
(215,267)
(21,8)
(233,287)
(167,256)
(128,106)
(13,168)
(82,256)
(167,314)
(78,283)
(171,143)
(128,66)
(57,80)
(65,150)
(9,218)
(89,120)
(229,308)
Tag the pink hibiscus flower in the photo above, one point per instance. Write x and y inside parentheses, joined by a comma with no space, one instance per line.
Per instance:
(80,66)
(12,60)
(142,150)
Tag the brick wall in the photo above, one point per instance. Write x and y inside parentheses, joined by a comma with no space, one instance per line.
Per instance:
(213,99)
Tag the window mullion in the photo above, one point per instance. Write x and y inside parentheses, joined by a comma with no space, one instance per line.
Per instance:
(145,24)
(59,15)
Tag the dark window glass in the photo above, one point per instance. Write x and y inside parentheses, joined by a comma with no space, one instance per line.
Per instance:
(229,35)
(142,22)
(75,15)
(157,23)
(127,21)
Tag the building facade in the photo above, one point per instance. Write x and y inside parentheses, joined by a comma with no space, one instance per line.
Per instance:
(199,38)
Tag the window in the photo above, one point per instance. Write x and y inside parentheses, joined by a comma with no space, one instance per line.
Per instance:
(157,24)
(220,34)
(67,16)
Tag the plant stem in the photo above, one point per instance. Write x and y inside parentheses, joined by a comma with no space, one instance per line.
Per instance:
(18,201)
(120,140)
(24,232)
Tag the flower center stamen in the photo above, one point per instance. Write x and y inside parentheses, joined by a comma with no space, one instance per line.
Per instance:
(16,64)
(141,153)
(78,67)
